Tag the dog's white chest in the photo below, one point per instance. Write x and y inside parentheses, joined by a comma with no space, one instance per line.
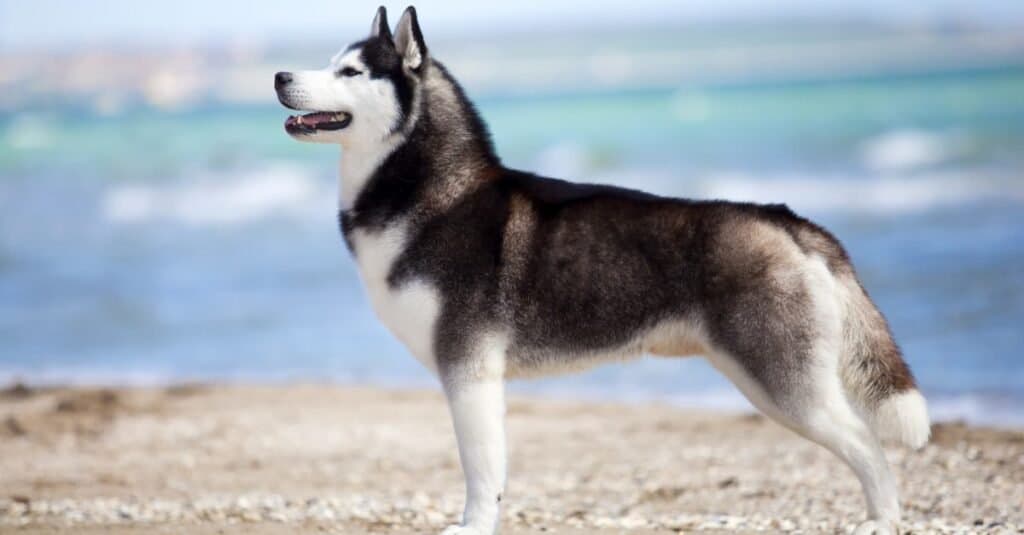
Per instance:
(410,310)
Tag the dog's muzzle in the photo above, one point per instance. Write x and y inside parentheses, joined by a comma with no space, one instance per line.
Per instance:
(310,122)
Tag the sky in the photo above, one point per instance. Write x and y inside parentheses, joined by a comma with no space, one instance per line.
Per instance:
(62,23)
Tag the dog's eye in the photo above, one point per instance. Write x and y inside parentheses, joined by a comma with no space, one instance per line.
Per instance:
(349,71)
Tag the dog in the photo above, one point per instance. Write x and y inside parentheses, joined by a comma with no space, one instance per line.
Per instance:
(486,273)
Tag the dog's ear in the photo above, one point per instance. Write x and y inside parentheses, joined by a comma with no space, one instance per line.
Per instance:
(409,40)
(380,28)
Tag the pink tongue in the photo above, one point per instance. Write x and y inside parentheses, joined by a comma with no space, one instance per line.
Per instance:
(313,119)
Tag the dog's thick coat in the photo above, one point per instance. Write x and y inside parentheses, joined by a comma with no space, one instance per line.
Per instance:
(486,273)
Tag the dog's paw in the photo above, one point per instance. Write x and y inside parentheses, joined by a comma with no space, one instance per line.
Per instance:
(875,527)
(463,530)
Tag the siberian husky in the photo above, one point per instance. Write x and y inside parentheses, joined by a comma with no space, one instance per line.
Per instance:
(486,273)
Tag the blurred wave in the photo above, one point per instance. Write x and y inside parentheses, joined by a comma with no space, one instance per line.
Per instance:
(217,198)
(907,150)
(815,194)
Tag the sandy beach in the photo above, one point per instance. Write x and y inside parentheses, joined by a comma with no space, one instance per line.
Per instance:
(328,459)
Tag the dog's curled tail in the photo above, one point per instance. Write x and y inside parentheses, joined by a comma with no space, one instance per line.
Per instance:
(875,375)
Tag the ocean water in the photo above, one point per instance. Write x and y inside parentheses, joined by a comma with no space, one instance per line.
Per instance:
(151,246)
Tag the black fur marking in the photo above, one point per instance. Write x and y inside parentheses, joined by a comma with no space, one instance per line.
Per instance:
(383,61)
(393,189)
(345,225)
(406,173)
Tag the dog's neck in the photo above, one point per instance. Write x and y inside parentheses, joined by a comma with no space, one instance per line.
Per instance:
(359,162)
(443,153)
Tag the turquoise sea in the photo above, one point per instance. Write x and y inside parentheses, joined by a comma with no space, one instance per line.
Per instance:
(201,244)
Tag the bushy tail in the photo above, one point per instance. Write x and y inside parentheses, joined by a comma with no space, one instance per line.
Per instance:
(874,373)
(903,418)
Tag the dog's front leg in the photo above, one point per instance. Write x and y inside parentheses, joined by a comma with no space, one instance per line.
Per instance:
(478,412)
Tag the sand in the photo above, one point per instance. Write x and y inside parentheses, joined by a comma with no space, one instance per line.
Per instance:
(328,459)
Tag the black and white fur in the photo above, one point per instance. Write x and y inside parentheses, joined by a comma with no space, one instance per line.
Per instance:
(487,273)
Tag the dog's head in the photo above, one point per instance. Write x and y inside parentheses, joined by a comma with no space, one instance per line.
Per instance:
(367,92)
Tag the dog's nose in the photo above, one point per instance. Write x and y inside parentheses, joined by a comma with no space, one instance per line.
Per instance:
(282,79)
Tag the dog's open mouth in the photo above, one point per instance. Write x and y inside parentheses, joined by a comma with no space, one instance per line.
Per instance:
(321,120)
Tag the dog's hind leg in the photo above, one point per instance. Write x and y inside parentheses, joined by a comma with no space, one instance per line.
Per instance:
(790,365)
(827,418)
(844,433)
(817,409)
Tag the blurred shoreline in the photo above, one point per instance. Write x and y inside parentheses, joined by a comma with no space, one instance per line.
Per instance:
(192,76)
(237,459)
(996,411)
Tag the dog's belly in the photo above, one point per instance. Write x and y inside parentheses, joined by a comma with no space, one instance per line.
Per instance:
(410,310)
(680,337)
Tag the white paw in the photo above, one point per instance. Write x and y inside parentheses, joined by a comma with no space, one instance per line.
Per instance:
(463,530)
(875,527)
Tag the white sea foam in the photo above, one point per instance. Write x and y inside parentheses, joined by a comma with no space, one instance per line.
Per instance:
(213,199)
(895,190)
(977,409)
(821,193)
(907,149)
(876,195)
